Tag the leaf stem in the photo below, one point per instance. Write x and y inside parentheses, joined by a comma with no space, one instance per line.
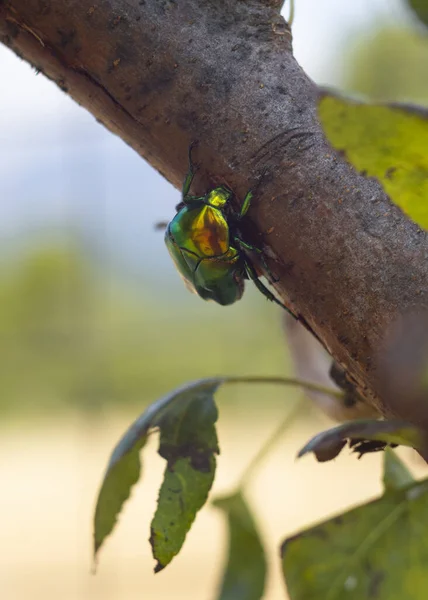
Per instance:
(268,445)
(313,387)
(291,13)
(285,423)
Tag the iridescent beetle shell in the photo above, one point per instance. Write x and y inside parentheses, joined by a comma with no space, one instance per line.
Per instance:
(206,245)
(198,240)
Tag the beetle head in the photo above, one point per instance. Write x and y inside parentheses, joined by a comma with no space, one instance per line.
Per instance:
(218,197)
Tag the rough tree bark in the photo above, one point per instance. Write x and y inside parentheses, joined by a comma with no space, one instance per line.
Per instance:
(161,73)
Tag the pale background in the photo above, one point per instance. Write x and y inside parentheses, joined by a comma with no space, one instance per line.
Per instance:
(89,335)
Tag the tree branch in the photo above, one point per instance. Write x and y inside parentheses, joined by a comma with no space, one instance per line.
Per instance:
(161,73)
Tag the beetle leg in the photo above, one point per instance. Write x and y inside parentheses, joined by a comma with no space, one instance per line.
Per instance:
(249,196)
(246,204)
(251,272)
(251,248)
(189,177)
(237,216)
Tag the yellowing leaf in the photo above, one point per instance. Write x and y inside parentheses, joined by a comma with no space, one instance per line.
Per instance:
(389,142)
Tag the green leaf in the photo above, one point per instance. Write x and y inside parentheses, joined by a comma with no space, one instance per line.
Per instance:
(186,420)
(188,442)
(420,7)
(388,142)
(395,473)
(378,550)
(122,474)
(361,435)
(245,573)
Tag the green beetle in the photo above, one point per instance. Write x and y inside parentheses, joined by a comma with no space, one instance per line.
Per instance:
(206,246)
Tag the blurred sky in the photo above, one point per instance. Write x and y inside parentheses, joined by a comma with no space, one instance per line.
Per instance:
(59,167)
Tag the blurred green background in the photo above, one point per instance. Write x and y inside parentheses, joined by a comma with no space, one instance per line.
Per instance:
(76,337)
(95,323)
